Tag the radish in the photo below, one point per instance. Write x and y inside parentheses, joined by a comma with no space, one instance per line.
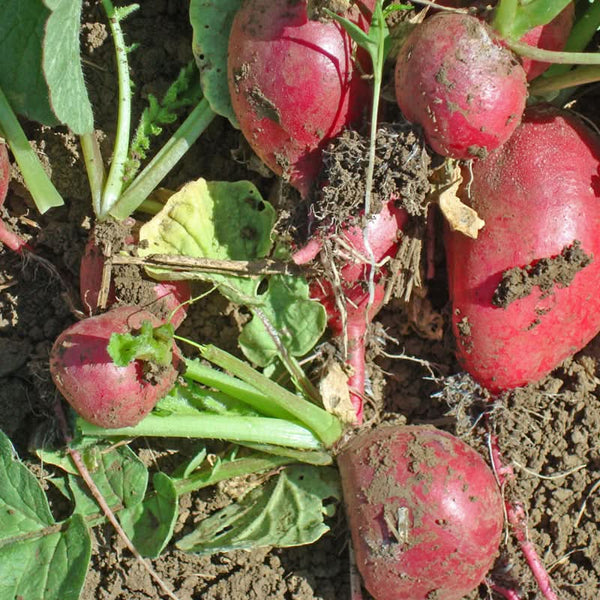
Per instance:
(424,510)
(293,84)
(162,298)
(532,275)
(456,80)
(383,231)
(101,392)
(552,36)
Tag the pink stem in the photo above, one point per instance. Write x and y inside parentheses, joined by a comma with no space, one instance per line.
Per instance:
(308,252)
(504,592)
(356,360)
(518,521)
(10,239)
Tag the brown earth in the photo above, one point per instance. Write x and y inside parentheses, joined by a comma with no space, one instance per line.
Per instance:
(548,432)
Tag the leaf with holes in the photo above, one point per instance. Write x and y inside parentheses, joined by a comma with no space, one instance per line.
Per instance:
(231,221)
(289,510)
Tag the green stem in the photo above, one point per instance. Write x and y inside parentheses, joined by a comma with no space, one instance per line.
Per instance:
(168,156)
(114,181)
(504,16)
(578,76)
(233,387)
(237,468)
(42,190)
(582,33)
(550,56)
(94,166)
(261,430)
(327,427)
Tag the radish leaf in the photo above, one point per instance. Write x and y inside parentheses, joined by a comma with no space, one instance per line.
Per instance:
(40,559)
(288,511)
(231,221)
(40,66)
(211,21)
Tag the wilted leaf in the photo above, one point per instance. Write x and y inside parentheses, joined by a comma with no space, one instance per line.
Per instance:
(288,510)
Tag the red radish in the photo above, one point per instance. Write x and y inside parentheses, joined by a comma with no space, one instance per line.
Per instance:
(424,510)
(383,232)
(8,237)
(552,36)
(167,296)
(532,276)
(456,80)
(293,84)
(100,391)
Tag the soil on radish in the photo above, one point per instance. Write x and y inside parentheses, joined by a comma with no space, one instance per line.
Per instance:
(551,430)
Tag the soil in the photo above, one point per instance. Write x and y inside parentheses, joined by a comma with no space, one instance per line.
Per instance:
(548,432)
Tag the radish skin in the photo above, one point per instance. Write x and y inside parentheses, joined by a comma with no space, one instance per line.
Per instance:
(100,391)
(424,510)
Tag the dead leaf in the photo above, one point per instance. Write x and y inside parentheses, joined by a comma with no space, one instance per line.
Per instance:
(335,392)
(459,216)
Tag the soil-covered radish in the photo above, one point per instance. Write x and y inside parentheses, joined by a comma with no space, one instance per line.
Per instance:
(424,510)
(456,80)
(162,298)
(293,84)
(552,36)
(525,293)
(101,392)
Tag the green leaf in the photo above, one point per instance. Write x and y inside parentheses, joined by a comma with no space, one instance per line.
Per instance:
(231,221)
(39,558)
(211,22)
(150,343)
(150,523)
(513,19)
(298,320)
(287,511)
(40,66)
(62,66)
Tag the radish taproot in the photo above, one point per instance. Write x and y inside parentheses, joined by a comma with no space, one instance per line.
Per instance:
(456,80)
(532,275)
(162,298)
(293,84)
(349,306)
(101,392)
(424,510)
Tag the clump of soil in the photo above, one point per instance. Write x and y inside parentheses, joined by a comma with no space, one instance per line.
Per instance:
(401,171)
(546,273)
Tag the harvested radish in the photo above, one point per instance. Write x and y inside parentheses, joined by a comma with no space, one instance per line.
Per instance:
(8,237)
(351,294)
(532,275)
(424,510)
(456,80)
(552,36)
(293,84)
(162,298)
(101,392)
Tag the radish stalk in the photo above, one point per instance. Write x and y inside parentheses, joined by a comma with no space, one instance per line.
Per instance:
(42,190)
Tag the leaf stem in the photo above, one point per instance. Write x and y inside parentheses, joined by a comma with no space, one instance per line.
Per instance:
(42,190)
(236,388)
(504,17)
(237,468)
(114,181)
(167,157)
(550,56)
(94,166)
(326,426)
(578,76)
(262,430)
